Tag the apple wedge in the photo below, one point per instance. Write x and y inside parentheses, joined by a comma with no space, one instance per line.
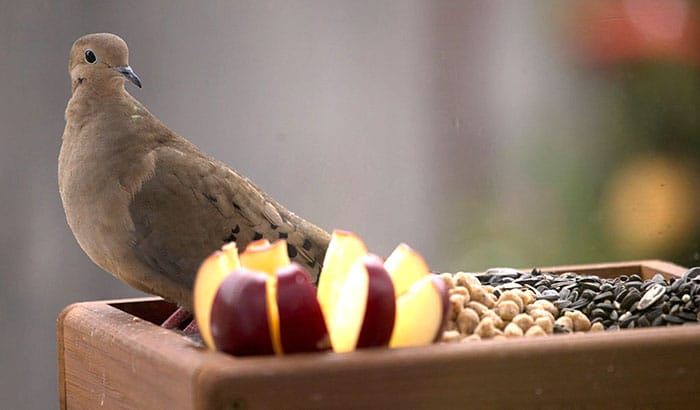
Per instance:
(302,327)
(362,314)
(421,313)
(240,323)
(406,267)
(380,310)
(261,255)
(211,273)
(344,249)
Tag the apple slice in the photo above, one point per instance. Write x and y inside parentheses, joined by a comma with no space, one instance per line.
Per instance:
(239,315)
(231,251)
(344,249)
(420,313)
(263,256)
(406,267)
(302,327)
(209,277)
(362,315)
(380,311)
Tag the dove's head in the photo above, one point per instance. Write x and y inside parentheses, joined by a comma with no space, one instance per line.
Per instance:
(101,61)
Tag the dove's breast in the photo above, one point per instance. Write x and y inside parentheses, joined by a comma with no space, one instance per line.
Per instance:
(102,164)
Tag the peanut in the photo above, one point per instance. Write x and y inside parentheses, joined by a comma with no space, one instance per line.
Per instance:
(535,331)
(513,296)
(451,336)
(486,329)
(479,294)
(466,279)
(597,327)
(478,307)
(546,305)
(456,305)
(524,321)
(580,321)
(547,324)
(507,310)
(467,320)
(566,323)
(513,330)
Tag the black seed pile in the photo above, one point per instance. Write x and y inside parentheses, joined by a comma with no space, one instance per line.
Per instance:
(622,302)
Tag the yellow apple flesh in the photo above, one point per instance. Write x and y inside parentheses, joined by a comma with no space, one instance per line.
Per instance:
(363,313)
(406,267)
(420,313)
(211,273)
(264,256)
(344,249)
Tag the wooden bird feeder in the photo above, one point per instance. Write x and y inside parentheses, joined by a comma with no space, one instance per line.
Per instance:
(112,354)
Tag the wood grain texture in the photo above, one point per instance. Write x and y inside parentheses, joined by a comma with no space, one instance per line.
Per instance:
(108,358)
(111,359)
(644,268)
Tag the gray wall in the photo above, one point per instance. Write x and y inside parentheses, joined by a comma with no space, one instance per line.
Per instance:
(377,117)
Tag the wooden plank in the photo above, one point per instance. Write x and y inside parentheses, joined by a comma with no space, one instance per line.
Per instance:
(650,268)
(641,368)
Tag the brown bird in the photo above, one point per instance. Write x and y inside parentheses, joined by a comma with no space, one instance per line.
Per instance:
(146,204)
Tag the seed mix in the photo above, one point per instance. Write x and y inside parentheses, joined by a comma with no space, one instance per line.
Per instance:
(515,302)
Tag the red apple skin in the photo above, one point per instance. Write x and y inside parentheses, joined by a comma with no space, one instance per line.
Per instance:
(380,312)
(239,321)
(442,289)
(302,326)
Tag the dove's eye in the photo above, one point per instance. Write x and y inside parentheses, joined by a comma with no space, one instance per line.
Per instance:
(90,56)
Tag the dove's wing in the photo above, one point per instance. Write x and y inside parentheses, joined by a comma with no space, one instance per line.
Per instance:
(192,205)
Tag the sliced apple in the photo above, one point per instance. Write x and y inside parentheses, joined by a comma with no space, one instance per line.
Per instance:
(362,315)
(302,327)
(264,256)
(406,267)
(344,249)
(380,311)
(420,313)
(209,277)
(239,314)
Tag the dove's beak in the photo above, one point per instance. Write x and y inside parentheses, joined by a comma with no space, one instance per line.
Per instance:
(127,72)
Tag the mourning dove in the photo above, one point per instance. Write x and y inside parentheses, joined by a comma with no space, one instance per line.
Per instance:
(144,203)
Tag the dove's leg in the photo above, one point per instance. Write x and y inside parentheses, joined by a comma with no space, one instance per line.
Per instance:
(191,328)
(175,320)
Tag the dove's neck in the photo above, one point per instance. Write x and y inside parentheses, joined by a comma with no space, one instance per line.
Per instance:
(91,104)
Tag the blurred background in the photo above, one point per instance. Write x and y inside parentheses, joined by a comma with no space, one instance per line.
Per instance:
(483,133)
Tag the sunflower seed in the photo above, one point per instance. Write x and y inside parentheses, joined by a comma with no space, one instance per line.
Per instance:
(599,313)
(659,321)
(630,299)
(606,306)
(588,294)
(643,322)
(603,296)
(651,296)
(687,316)
(672,319)
(692,273)
(634,284)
